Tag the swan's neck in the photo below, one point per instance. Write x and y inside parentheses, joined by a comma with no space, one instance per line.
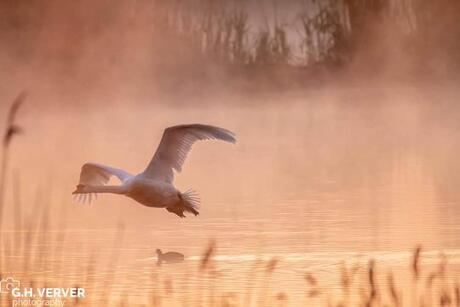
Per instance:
(114,189)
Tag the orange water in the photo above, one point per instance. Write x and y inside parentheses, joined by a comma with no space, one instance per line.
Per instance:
(313,181)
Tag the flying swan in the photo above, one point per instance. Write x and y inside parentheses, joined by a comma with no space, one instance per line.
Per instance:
(154,186)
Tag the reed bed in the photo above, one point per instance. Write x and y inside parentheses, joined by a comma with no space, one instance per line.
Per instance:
(359,284)
(327,32)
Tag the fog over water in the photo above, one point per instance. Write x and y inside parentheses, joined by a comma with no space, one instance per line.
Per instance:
(313,182)
(358,167)
(316,152)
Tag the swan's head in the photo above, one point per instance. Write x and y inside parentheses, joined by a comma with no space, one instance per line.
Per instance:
(158,251)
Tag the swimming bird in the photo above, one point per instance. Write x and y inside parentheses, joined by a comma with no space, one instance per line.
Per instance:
(154,186)
(169,257)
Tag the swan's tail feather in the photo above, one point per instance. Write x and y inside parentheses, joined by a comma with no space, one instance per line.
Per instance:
(82,196)
(191,201)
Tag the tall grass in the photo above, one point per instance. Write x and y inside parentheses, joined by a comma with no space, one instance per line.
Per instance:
(373,284)
(331,32)
(223,33)
(11,130)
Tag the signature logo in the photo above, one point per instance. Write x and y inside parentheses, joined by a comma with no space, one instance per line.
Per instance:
(8,284)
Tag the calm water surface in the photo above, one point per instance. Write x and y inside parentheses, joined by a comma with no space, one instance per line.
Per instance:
(314,183)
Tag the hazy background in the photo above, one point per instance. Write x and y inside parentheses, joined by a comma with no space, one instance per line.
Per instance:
(347,147)
(347,123)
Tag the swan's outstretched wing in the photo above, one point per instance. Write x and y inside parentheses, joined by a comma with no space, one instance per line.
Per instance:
(175,145)
(97,174)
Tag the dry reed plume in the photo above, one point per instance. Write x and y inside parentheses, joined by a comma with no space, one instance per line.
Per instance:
(11,130)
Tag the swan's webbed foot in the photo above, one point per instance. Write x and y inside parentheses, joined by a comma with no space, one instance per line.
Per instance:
(176,210)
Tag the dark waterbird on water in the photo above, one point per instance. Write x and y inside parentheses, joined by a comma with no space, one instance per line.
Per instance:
(169,257)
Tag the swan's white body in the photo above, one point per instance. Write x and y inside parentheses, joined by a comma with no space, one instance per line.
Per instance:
(154,186)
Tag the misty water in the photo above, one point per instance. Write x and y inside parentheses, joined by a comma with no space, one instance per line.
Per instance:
(315,180)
